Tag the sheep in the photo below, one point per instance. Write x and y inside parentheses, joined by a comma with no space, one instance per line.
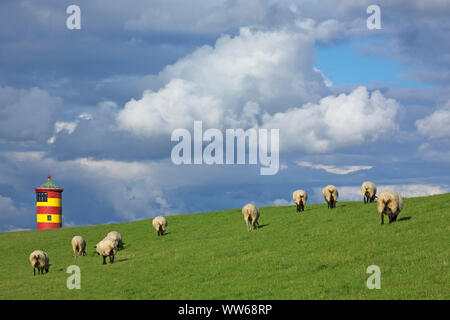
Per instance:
(330,194)
(369,190)
(114,235)
(300,197)
(160,225)
(40,260)
(389,203)
(107,248)
(78,246)
(251,216)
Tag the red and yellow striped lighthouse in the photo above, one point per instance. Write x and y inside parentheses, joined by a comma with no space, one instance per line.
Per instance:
(48,203)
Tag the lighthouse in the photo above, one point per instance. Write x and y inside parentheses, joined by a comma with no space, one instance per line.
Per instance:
(48,204)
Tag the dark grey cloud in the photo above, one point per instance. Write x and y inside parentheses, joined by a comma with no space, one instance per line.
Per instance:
(27,115)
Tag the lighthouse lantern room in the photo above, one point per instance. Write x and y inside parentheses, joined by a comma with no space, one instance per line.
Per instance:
(48,203)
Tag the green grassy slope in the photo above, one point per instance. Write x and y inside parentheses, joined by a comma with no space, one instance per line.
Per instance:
(318,254)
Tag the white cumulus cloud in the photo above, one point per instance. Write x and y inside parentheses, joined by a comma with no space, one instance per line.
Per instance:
(335,122)
(230,84)
(437,124)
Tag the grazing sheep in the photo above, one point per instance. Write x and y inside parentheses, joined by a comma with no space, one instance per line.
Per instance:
(300,197)
(368,190)
(330,194)
(160,224)
(251,216)
(389,203)
(114,235)
(78,246)
(40,260)
(107,248)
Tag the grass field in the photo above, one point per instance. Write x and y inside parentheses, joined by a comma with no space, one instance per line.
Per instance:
(318,254)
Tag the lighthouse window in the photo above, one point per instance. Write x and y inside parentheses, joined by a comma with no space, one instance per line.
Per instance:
(41,196)
(49,218)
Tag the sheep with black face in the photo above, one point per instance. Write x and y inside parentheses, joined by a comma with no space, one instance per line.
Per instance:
(39,260)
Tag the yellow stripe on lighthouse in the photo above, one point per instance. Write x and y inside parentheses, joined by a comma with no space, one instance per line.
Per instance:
(49,218)
(51,202)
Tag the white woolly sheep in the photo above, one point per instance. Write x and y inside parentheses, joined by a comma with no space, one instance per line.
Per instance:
(330,194)
(114,235)
(107,248)
(78,246)
(300,197)
(40,260)
(160,224)
(369,191)
(251,216)
(389,203)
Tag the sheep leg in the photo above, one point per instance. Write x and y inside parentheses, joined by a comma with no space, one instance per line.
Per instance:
(394,218)
(382,218)
(104,259)
(302,207)
(111,259)
(34,271)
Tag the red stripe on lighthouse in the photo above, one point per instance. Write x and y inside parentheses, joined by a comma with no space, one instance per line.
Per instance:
(45,225)
(49,210)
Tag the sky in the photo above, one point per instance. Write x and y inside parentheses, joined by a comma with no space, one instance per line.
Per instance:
(96,107)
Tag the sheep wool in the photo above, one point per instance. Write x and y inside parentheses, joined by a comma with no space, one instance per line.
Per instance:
(369,191)
(79,246)
(389,203)
(160,224)
(300,197)
(330,194)
(116,237)
(107,248)
(251,216)
(39,260)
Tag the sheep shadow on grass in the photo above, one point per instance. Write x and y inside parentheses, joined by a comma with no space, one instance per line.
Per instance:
(262,226)
(404,218)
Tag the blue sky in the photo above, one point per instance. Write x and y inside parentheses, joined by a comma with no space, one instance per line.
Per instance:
(96,107)
(347,63)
